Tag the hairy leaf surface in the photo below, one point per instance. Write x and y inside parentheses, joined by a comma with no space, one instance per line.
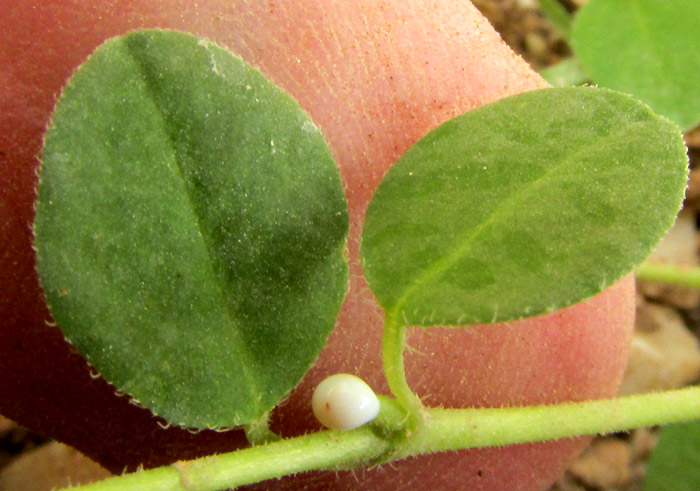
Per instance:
(190,228)
(523,206)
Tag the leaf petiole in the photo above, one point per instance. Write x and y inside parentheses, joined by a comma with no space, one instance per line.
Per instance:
(393,344)
(259,432)
(566,73)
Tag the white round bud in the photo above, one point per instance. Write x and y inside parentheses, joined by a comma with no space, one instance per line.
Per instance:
(344,402)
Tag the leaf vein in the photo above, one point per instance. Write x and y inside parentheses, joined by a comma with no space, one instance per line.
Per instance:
(470,236)
(243,355)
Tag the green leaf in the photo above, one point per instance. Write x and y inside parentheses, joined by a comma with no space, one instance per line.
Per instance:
(190,228)
(675,463)
(648,48)
(521,207)
(558,16)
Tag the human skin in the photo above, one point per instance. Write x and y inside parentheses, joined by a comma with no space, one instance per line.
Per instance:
(375,75)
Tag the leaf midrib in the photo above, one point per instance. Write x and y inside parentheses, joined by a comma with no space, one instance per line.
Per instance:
(243,354)
(470,236)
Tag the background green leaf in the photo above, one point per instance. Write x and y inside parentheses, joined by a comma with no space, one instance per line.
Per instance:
(190,228)
(675,463)
(522,207)
(647,48)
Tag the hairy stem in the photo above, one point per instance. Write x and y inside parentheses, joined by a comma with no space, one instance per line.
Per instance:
(259,432)
(393,345)
(669,273)
(324,450)
(445,429)
(566,73)
(452,429)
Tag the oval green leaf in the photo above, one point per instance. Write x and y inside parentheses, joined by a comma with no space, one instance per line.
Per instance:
(521,207)
(190,228)
(647,48)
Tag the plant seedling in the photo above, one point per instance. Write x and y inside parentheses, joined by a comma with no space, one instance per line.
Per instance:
(375,77)
(205,212)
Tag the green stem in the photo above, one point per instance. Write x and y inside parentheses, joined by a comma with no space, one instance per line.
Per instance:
(393,345)
(558,16)
(669,273)
(324,450)
(445,429)
(454,429)
(566,73)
